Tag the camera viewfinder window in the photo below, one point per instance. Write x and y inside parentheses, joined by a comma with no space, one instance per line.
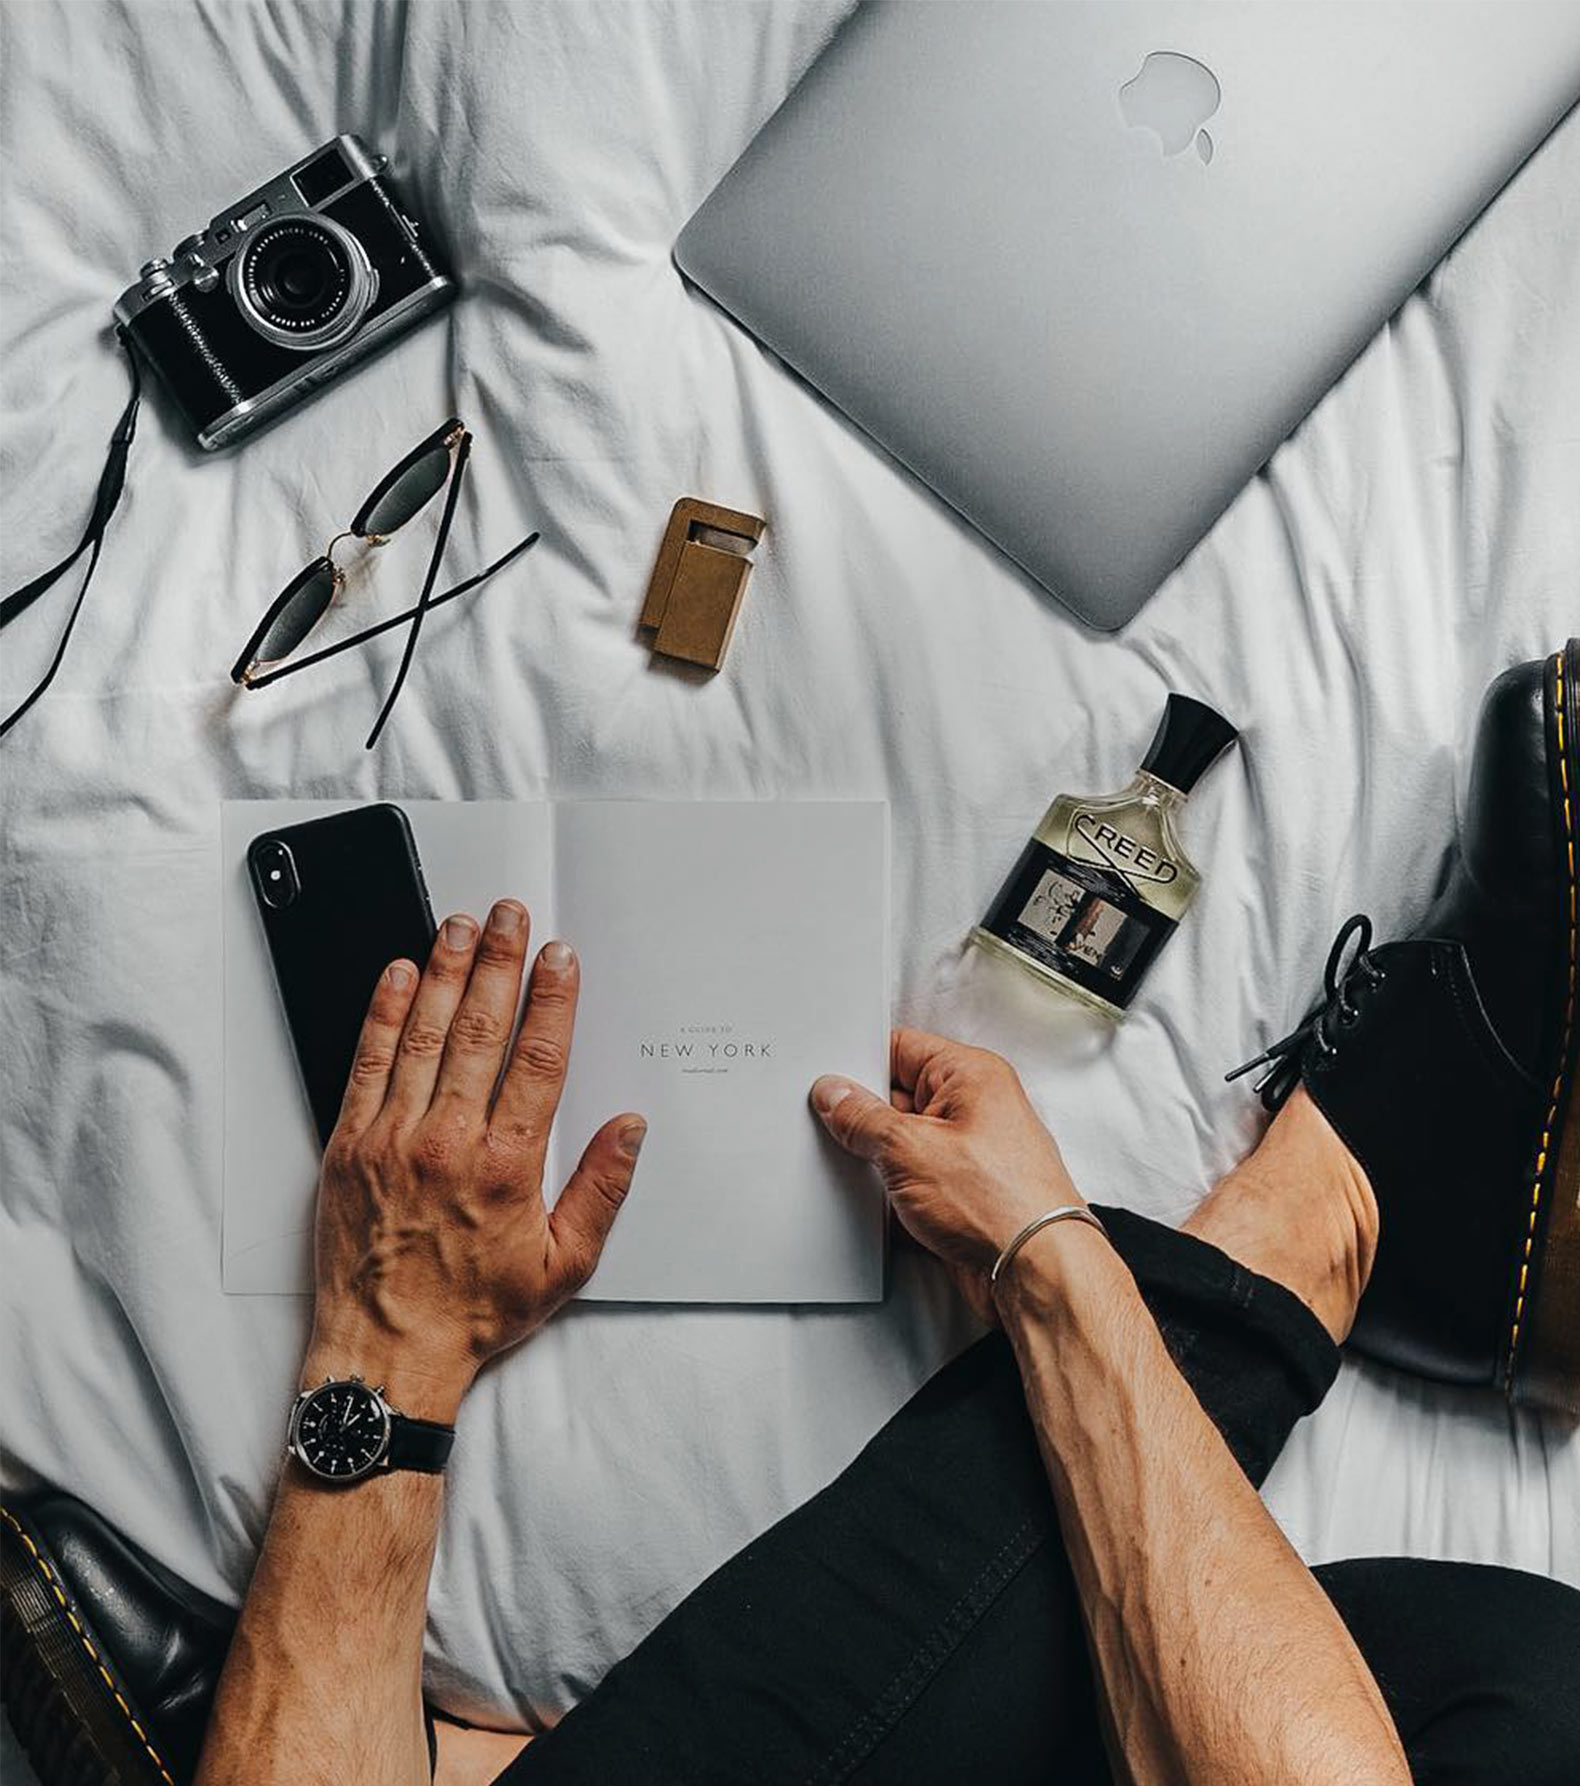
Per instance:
(322,176)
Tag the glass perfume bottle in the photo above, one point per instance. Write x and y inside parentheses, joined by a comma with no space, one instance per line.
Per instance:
(1103,882)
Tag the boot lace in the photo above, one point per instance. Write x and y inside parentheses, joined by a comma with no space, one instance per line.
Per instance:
(1345,986)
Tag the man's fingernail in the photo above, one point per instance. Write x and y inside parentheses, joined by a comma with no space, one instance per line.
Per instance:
(828,1091)
(557,956)
(631,1138)
(459,931)
(400,974)
(506,918)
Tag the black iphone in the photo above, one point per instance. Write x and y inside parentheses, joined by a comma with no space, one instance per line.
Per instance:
(341,898)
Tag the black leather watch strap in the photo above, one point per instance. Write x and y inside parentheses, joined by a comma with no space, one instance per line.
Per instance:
(422,1445)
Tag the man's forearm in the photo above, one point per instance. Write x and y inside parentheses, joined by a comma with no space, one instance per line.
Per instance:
(433,1251)
(1220,1658)
(324,1677)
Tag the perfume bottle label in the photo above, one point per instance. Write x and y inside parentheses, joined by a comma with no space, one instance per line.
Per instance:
(1094,839)
(1083,920)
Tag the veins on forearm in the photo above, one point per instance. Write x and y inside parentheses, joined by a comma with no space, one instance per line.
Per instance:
(1213,1645)
(327,1655)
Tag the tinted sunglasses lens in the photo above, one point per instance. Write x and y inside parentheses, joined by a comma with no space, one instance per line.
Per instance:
(299,615)
(418,484)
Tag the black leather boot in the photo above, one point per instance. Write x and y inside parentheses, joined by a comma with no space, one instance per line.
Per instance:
(1447,1064)
(108,1663)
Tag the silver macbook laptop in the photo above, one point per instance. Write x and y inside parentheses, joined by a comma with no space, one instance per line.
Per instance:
(1082,267)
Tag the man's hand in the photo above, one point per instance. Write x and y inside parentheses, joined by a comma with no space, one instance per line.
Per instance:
(965,1159)
(433,1248)
(1151,1503)
(434,1251)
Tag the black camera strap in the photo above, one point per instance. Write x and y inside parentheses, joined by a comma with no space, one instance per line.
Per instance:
(111,483)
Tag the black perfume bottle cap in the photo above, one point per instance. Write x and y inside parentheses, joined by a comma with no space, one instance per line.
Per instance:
(1190,738)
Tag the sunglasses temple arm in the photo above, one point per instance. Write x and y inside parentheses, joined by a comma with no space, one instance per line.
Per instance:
(401,619)
(452,497)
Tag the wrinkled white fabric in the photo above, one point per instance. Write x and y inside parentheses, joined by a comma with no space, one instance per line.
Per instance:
(1418,534)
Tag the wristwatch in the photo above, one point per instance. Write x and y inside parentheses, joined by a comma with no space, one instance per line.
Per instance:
(344,1431)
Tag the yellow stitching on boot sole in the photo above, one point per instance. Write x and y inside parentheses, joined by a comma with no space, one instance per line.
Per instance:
(87,1642)
(1568,797)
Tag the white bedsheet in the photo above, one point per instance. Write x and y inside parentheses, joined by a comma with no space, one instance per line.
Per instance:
(1419,533)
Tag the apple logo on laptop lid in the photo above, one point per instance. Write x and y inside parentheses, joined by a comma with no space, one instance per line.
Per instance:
(1173,96)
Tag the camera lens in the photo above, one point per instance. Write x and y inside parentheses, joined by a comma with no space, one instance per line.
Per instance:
(298,277)
(301,279)
(274,871)
(303,282)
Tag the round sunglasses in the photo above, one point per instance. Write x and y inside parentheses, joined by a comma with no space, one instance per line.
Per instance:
(398,497)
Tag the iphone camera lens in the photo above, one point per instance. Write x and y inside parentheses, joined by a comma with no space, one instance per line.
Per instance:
(274,869)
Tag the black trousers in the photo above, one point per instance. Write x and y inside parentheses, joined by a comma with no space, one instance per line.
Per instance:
(917,1621)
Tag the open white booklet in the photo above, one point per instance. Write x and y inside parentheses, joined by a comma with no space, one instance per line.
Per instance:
(730,953)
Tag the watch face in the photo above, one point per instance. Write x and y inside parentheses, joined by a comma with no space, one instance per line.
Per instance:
(341,1431)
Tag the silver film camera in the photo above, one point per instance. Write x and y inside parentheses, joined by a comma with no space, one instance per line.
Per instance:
(284,291)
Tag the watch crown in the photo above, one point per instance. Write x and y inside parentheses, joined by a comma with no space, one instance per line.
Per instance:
(355,1378)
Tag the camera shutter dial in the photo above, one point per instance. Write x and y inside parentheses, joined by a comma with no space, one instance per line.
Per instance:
(157,278)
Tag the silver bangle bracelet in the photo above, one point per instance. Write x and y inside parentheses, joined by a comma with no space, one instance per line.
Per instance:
(1066,1212)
